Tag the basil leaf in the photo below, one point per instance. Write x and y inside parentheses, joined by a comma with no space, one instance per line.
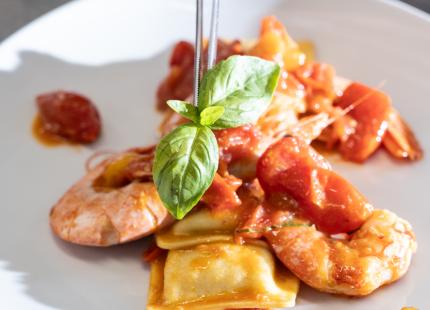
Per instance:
(211,114)
(184,108)
(185,164)
(243,85)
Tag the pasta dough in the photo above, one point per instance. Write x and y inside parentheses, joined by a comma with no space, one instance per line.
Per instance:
(199,227)
(218,276)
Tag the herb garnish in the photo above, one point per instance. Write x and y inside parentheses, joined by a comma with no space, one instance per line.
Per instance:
(233,93)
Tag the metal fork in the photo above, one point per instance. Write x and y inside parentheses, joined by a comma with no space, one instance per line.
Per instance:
(212,45)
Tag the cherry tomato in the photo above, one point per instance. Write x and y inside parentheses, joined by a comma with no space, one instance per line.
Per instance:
(292,167)
(70,116)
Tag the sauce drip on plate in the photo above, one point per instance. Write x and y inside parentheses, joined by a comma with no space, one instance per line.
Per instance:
(43,136)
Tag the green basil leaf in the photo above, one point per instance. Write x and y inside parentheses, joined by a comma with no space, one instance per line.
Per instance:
(185,164)
(243,85)
(211,114)
(186,109)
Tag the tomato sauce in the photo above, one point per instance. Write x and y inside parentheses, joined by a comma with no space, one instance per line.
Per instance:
(43,136)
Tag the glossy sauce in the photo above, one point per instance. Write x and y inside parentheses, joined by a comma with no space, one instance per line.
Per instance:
(43,136)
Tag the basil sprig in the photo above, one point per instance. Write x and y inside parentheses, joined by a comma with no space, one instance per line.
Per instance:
(234,93)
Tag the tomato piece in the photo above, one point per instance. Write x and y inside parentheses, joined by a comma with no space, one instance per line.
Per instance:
(222,192)
(70,116)
(182,55)
(179,82)
(292,167)
(345,209)
(238,143)
(295,161)
(371,113)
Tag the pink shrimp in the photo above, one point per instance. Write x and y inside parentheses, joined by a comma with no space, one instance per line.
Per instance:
(115,202)
(378,253)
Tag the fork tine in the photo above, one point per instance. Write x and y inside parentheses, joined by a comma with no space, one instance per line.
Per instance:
(213,36)
(198,49)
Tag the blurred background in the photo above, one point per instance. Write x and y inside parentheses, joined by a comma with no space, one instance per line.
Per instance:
(16,13)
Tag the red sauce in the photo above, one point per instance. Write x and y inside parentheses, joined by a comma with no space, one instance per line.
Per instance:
(152,253)
(66,117)
(43,136)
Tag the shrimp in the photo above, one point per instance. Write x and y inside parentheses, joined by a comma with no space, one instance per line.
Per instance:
(371,123)
(115,202)
(378,253)
(399,140)
(275,44)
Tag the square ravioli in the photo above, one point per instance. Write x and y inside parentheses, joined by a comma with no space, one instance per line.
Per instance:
(202,226)
(219,276)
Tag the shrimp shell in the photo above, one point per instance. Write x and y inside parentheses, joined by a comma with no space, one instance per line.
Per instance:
(378,253)
(399,140)
(92,216)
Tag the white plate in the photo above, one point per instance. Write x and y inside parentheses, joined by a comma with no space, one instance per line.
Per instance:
(116,52)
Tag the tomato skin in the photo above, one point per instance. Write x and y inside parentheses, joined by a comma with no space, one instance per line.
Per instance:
(70,116)
(182,55)
(371,115)
(292,167)
(238,143)
(179,83)
(239,149)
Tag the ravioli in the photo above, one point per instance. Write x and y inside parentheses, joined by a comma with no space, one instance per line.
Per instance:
(218,276)
(202,226)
